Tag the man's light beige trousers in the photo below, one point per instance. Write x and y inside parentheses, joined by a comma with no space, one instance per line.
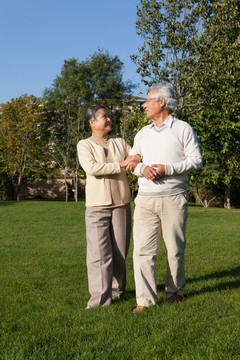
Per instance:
(108,236)
(155,217)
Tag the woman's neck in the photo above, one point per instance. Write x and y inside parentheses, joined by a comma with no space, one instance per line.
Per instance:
(100,134)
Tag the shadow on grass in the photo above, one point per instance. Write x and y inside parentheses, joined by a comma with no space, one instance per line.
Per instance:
(129,294)
(218,287)
(226,285)
(217,275)
(5,203)
(235,272)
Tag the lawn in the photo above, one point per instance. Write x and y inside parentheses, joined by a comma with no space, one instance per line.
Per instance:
(43,291)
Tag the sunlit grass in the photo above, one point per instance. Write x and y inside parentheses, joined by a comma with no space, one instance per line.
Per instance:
(43,291)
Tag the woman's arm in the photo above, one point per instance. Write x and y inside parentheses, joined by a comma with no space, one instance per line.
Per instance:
(93,167)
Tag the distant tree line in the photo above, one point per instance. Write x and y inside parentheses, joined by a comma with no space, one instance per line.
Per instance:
(194,45)
(38,136)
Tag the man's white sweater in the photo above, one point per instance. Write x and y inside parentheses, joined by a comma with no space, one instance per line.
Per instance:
(174,145)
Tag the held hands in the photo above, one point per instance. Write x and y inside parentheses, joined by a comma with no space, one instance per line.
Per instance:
(131,162)
(154,172)
(131,165)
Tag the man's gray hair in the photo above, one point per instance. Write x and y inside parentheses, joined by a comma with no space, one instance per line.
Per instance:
(166,92)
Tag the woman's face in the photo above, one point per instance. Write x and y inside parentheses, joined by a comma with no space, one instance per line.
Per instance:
(102,123)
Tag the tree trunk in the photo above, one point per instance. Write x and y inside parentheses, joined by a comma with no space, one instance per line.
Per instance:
(19,184)
(227,202)
(66,185)
(76,188)
(76,181)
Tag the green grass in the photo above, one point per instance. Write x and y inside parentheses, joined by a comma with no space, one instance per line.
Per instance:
(43,291)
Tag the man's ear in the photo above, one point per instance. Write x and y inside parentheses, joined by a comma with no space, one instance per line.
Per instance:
(163,102)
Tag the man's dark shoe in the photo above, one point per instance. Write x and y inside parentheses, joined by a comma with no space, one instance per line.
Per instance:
(175,298)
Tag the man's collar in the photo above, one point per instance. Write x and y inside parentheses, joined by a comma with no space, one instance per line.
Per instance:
(168,122)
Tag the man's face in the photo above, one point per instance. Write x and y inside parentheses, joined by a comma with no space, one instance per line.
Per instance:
(152,106)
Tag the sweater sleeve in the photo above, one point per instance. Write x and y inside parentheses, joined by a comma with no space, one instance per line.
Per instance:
(192,153)
(136,149)
(127,149)
(91,166)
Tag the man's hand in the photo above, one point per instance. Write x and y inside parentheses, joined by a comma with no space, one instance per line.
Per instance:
(154,172)
(160,169)
(149,173)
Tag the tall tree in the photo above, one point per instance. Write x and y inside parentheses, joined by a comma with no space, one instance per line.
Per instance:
(64,103)
(98,79)
(195,46)
(218,87)
(106,79)
(20,144)
(171,33)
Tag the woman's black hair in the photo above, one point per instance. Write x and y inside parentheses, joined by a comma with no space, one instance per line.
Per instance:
(90,114)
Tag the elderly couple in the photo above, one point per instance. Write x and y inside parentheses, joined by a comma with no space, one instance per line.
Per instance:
(162,155)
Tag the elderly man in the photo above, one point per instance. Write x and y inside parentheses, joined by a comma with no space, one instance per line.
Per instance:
(169,150)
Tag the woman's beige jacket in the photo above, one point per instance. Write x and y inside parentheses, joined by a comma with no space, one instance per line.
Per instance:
(93,161)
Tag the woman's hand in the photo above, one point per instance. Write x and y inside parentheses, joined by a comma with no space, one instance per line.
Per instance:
(131,162)
(131,165)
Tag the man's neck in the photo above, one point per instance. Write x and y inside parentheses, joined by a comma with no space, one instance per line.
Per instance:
(160,118)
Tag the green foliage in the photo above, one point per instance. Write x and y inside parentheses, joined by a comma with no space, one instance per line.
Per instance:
(196,47)
(6,185)
(132,120)
(22,148)
(80,84)
(106,79)
(58,118)
(44,292)
(171,39)
(218,120)
(63,105)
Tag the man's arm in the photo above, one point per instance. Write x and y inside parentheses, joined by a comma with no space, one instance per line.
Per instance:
(136,168)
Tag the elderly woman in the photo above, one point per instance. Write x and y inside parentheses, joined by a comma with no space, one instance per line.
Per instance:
(108,213)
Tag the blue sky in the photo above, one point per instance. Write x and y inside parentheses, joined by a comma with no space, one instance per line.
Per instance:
(38,35)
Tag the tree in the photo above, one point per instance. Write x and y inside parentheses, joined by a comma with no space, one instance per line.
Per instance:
(106,78)
(171,35)
(195,46)
(80,84)
(218,87)
(21,147)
